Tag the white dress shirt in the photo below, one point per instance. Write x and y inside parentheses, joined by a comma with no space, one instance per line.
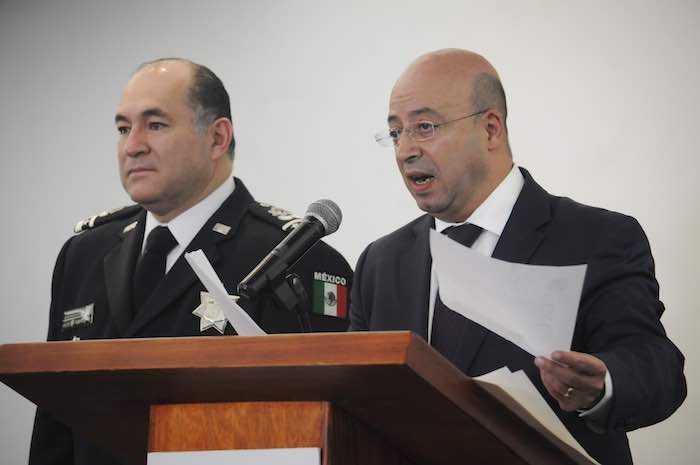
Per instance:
(188,223)
(492,216)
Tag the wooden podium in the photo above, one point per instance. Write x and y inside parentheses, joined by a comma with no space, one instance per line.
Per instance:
(363,398)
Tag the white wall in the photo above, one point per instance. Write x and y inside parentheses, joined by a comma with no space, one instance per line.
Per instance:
(603,99)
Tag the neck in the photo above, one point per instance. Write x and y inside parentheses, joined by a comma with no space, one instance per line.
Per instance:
(489,184)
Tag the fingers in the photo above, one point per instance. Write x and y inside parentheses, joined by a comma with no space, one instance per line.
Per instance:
(575,376)
(566,396)
(574,379)
(583,363)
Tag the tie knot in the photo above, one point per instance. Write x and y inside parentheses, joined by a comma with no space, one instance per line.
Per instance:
(465,233)
(160,240)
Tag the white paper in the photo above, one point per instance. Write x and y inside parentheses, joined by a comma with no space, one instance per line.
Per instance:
(298,456)
(239,319)
(532,306)
(537,412)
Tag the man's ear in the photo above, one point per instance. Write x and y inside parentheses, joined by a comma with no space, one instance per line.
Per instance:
(495,129)
(221,134)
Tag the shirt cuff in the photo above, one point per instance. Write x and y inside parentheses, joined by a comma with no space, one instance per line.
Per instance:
(598,414)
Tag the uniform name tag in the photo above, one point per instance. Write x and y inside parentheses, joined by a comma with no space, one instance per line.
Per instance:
(81,316)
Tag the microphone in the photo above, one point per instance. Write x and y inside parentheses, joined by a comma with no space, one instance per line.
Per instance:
(323,217)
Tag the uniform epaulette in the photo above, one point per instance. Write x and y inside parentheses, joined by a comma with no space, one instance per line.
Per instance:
(104,217)
(279,217)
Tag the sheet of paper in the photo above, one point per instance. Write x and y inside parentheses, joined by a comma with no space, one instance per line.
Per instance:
(516,391)
(532,306)
(299,456)
(239,319)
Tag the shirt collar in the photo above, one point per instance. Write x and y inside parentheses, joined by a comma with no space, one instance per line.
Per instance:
(493,213)
(188,223)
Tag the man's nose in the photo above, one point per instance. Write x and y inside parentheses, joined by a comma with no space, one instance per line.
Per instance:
(135,144)
(407,148)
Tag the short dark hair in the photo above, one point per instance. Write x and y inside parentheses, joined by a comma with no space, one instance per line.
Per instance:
(487,92)
(207,96)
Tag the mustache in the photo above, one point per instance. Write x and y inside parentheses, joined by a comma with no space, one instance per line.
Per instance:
(419,166)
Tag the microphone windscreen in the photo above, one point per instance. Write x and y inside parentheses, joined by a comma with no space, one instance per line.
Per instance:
(328,213)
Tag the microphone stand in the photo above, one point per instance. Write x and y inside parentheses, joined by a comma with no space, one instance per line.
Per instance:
(291,295)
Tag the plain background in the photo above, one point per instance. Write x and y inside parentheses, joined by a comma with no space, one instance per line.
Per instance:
(602,96)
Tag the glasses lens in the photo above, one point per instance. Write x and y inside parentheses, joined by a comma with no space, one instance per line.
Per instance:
(384,139)
(423,130)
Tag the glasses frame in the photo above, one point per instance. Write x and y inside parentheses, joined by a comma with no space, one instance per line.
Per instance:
(385,139)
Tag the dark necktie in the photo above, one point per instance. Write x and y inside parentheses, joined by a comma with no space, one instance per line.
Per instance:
(448,326)
(151,268)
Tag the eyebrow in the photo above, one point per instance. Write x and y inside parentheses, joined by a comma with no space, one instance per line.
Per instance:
(414,113)
(147,113)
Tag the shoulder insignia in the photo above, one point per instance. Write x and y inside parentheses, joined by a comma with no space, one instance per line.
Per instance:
(279,217)
(330,295)
(105,217)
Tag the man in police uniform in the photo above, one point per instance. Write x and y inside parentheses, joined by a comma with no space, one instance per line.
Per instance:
(447,125)
(124,274)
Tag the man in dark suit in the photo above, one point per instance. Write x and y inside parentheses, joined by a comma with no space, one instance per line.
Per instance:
(447,124)
(124,275)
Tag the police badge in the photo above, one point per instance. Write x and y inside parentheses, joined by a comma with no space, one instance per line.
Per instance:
(209,313)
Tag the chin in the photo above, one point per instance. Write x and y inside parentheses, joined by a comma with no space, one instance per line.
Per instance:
(438,210)
(427,202)
(141,196)
(428,207)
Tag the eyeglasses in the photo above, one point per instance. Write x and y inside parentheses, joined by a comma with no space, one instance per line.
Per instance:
(419,131)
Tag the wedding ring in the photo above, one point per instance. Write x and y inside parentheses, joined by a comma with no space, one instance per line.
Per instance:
(569,392)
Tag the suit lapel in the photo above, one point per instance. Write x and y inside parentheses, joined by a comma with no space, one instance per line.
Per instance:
(118,270)
(413,283)
(521,236)
(181,277)
(525,230)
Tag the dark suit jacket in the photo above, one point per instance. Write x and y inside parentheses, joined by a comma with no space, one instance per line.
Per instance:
(96,267)
(618,318)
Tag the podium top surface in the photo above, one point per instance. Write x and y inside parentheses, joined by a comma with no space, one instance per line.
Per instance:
(393,381)
(276,350)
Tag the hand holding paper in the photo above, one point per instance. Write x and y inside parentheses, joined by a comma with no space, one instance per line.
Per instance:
(574,379)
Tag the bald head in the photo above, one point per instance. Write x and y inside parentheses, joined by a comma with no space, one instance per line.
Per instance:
(452,63)
(458,77)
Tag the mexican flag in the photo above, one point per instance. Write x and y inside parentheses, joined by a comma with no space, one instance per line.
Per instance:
(330,299)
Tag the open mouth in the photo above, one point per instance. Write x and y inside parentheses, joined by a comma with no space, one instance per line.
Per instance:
(421,179)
